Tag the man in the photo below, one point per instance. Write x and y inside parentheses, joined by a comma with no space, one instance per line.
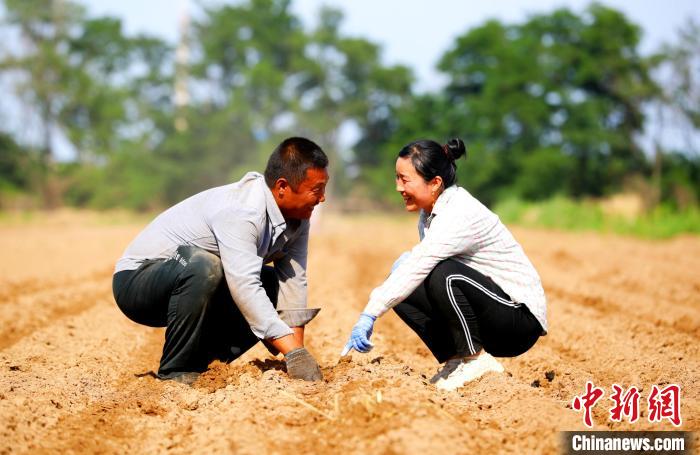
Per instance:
(198,268)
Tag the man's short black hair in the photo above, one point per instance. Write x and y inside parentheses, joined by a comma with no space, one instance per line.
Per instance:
(291,159)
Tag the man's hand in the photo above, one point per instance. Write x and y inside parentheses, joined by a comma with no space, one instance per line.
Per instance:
(359,337)
(302,365)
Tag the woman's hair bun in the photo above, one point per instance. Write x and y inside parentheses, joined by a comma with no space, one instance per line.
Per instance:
(455,148)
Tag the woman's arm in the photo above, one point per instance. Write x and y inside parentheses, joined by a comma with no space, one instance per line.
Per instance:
(447,237)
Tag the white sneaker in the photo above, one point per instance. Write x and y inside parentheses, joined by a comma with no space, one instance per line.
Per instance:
(469,370)
(446,369)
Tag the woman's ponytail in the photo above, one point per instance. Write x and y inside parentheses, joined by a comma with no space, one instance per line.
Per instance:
(455,148)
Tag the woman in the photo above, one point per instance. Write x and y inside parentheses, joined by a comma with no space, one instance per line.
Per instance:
(467,289)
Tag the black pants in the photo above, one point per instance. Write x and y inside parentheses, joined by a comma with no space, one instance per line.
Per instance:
(188,294)
(457,311)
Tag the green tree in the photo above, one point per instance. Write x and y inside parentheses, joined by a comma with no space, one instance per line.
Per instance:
(560,89)
(102,91)
(349,85)
(681,83)
(247,65)
(15,165)
(42,67)
(266,77)
(251,54)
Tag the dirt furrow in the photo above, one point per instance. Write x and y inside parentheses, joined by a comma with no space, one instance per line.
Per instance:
(72,378)
(63,368)
(24,312)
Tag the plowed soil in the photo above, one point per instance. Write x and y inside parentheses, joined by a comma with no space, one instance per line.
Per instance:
(75,374)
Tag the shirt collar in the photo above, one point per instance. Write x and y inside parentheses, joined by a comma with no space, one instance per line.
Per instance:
(444,199)
(273,211)
(440,204)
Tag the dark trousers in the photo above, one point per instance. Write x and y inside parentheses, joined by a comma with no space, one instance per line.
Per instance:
(188,294)
(457,311)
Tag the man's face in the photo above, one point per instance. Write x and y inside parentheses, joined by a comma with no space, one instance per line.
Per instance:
(300,203)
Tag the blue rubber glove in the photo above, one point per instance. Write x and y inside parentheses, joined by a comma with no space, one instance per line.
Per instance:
(359,337)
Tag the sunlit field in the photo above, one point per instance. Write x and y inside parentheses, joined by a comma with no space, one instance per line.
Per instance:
(74,372)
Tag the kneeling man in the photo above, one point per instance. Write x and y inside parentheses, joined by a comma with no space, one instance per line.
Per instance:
(199,267)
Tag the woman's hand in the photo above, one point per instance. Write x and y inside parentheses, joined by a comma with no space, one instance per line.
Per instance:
(359,337)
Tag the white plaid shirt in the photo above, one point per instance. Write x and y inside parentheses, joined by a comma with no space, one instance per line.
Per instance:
(462,228)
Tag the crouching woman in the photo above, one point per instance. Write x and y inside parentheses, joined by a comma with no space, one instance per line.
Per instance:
(467,289)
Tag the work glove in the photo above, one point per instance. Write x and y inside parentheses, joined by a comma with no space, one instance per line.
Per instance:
(302,365)
(359,337)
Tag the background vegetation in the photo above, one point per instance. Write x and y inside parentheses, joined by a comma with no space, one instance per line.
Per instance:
(555,111)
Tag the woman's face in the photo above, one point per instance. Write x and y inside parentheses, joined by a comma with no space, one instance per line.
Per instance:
(417,193)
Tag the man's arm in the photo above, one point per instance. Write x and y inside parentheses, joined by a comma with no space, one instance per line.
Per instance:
(286,343)
(291,272)
(237,235)
(298,335)
(446,238)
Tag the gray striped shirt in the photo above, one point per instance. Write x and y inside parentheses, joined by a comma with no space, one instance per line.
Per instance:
(462,228)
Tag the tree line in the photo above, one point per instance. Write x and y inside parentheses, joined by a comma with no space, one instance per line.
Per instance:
(554,105)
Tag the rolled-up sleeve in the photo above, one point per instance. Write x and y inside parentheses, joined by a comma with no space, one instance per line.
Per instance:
(237,236)
(291,272)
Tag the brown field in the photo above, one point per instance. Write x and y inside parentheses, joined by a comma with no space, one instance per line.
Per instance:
(73,370)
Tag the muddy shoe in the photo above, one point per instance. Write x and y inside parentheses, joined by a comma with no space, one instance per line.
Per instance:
(445,371)
(187,377)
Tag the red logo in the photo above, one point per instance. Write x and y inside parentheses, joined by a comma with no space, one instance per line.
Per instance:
(665,404)
(626,404)
(587,401)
